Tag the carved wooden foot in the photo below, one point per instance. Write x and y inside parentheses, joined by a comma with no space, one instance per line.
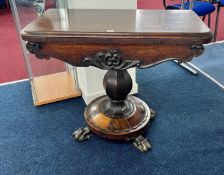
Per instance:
(142,144)
(152,114)
(81,134)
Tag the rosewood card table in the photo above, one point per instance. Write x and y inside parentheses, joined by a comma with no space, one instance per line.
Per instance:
(116,40)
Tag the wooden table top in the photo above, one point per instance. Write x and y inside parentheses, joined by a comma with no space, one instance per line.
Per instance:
(152,36)
(56,23)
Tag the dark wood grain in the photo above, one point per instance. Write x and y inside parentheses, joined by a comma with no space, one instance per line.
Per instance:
(145,37)
(118,22)
(149,35)
(118,128)
(149,54)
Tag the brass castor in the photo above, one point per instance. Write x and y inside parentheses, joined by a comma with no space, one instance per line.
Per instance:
(81,134)
(142,144)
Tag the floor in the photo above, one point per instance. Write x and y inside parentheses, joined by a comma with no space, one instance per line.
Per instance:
(187,134)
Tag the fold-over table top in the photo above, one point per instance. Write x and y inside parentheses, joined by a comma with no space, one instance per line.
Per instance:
(73,23)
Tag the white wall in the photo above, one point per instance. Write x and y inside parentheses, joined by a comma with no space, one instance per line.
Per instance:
(102,4)
(91,79)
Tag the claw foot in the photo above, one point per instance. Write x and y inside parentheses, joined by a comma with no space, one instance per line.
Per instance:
(152,114)
(142,144)
(81,134)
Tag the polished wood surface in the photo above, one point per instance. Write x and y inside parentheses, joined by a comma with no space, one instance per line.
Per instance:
(116,40)
(74,23)
(153,36)
(123,128)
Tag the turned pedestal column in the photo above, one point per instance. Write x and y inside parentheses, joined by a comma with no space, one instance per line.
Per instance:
(116,116)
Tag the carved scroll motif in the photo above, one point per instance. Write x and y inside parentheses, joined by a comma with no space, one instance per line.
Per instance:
(34,48)
(111,59)
(198,50)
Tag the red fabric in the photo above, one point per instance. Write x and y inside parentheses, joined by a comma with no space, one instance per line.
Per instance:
(12,65)
(11,60)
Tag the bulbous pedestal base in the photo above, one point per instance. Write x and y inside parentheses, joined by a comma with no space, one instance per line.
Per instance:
(127,122)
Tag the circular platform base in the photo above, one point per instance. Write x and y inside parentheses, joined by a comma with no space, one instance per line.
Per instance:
(118,127)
